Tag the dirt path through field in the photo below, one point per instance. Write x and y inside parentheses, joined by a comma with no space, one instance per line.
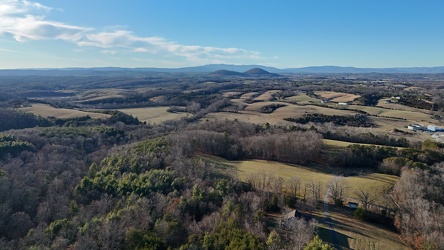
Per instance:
(328,220)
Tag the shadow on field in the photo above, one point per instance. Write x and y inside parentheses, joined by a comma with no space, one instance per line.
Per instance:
(372,177)
(342,239)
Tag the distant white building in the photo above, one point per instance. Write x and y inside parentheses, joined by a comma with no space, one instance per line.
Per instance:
(416,127)
(342,104)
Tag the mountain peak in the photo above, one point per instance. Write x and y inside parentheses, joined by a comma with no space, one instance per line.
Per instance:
(257,71)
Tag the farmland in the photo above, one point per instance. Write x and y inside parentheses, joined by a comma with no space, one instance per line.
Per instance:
(336,96)
(46,110)
(153,114)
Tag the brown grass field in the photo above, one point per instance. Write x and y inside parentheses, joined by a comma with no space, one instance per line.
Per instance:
(302,99)
(335,143)
(231,93)
(383,104)
(153,114)
(249,95)
(251,113)
(100,94)
(267,96)
(373,182)
(337,96)
(410,116)
(45,110)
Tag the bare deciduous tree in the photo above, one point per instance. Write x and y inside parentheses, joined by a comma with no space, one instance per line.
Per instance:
(365,197)
(336,189)
(294,186)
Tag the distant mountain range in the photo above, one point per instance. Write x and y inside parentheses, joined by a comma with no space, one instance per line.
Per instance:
(224,69)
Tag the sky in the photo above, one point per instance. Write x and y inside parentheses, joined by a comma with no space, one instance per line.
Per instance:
(171,34)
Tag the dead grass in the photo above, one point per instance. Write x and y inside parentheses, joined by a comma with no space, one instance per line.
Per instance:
(249,95)
(302,99)
(153,114)
(252,114)
(410,116)
(335,143)
(352,233)
(45,110)
(382,103)
(337,96)
(267,96)
(100,94)
(231,93)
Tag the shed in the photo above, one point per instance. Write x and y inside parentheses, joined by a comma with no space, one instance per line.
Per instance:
(353,205)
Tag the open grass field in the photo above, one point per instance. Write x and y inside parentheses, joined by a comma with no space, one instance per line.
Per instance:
(337,96)
(45,110)
(243,169)
(353,233)
(100,94)
(335,143)
(231,93)
(153,114)
(267,96)
(383,104)
(249,95)
(252,114)
(410,116)
(302,99)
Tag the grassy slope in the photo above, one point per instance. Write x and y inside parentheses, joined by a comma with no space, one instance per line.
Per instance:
(352,233)
(153,114)
(45,110)
(243,169)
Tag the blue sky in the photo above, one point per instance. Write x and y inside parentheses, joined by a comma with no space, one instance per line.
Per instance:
(165,33)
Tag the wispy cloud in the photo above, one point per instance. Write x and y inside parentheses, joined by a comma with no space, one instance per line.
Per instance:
(25,20)
(8,51)
(158,45)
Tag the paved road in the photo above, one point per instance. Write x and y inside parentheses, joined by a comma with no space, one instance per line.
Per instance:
(328,220)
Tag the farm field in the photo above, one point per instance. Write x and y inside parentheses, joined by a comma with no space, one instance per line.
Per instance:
(410,116)
(249,95)
(383,104)
(45,110)
(337,96)
(267,96)
(100,94)
(231,93)
(369,182)
(153,114)
(252,114)
(335,143)
(302,99)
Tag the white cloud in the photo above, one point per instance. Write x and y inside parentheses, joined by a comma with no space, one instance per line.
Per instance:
(157,45)
(20,20)
(25,20)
